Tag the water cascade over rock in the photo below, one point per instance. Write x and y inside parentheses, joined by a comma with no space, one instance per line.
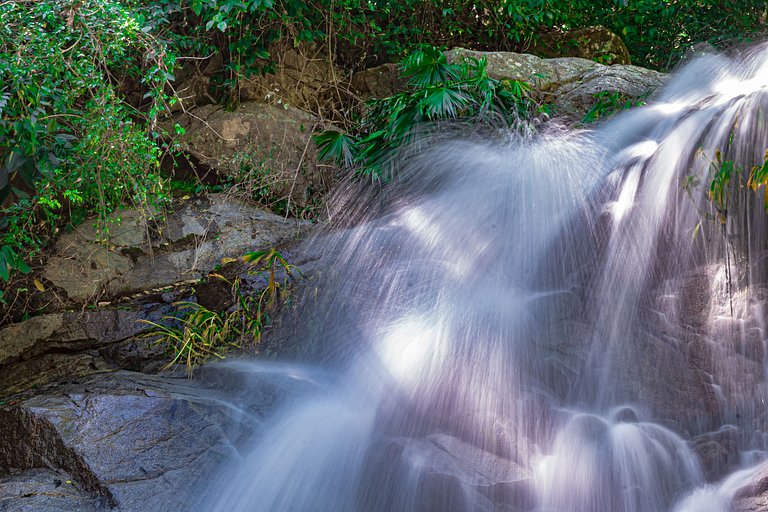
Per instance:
(567,322)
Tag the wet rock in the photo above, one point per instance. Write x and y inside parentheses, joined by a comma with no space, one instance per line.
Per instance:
(753,497)
(454,475)
(130,441)
(620,83)
(44,490)
(573,84)
(68,345)
(144,254)
(718,452)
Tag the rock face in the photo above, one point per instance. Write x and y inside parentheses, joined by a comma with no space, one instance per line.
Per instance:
(143,254)
(267,149)
(130,442)
(571,83)
(302,79)
(44,490)
(593,43)
(68,345)
(379,82)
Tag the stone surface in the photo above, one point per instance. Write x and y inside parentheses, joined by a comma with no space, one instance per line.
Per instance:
(268,149)
(753,497)
(44,490)
(130,441)
(594,43)
(142,254)
(379,82)
(303,78)
(452,473)
(718,452)
(571,83)
(69,345)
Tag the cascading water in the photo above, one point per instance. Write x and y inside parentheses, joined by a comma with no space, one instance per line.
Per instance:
(548,323)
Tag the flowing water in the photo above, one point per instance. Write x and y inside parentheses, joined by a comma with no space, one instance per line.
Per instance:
(555,322)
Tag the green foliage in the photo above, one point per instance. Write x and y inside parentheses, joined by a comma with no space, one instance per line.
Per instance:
(440,91)
(725,175)
(758,177)
(68,142)
(608,103)
(719,188)
(268,262)
(10,263)
(657,32)
(201,334)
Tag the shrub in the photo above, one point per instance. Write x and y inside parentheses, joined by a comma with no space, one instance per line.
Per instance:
(68,142)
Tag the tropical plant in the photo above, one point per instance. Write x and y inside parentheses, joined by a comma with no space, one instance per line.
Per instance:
(607,103)
(197,334)
(439,91)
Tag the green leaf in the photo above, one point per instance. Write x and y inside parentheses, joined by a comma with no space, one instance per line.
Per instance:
(337,147)
(197,7)
(443,102)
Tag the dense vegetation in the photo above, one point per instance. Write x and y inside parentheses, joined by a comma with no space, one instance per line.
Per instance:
(84,82)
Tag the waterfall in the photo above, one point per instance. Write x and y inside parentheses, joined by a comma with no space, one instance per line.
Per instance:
(569,322)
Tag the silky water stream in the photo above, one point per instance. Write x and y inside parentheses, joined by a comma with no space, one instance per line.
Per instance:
(561,322)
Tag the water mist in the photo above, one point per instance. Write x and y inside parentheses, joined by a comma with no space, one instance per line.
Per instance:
(539,323)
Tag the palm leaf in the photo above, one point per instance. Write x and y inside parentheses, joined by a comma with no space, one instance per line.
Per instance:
(444,102)
(336,146)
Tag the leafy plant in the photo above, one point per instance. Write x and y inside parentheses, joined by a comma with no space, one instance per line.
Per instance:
(440,91)
(10,262)
(68,141)
(758,177)
(719,188)
(608,103)
(268,262)
(200,334)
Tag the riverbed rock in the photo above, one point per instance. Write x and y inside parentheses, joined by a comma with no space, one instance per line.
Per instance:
(143,254)
(58,346)
(753,497)
(131,442)
(574,85)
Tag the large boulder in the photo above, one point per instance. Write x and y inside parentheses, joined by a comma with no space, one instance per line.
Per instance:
(130,442)
(574,85)
(143,254)
(379,82)
(267,150)
(594,43)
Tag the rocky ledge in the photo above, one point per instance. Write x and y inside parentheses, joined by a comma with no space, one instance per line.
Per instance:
(130,442)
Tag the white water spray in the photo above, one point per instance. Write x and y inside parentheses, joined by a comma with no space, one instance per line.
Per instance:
(491,318)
